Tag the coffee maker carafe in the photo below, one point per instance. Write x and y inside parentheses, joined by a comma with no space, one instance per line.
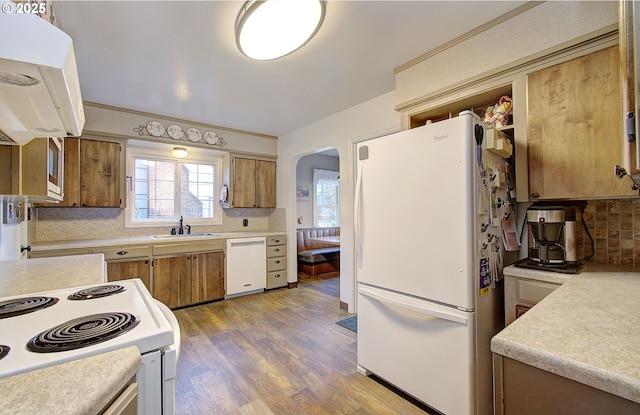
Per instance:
(552,240)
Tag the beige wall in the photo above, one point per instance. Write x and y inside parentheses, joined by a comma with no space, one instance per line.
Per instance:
(370,119)
(542,28)
(105,121)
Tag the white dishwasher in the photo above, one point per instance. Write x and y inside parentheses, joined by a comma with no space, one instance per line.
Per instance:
(246,266)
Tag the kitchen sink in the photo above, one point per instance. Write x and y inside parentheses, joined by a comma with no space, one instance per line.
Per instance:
(185,235)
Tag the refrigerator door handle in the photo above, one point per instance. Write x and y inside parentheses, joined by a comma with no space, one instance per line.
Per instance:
(358,216)
(412,307)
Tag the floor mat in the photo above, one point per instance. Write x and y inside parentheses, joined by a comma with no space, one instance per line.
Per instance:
(350,323)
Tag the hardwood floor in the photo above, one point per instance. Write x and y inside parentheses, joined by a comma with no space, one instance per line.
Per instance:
(279,352)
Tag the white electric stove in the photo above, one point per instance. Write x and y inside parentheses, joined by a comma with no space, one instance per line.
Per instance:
(48,328)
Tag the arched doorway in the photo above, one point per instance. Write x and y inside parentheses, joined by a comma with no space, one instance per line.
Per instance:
(318,214)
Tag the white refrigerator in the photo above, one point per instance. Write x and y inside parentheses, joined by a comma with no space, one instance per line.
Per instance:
(429,207)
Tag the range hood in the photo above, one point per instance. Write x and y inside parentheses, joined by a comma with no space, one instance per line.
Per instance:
(39,86)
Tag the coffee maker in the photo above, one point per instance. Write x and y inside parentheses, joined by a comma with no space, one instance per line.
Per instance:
(552,237)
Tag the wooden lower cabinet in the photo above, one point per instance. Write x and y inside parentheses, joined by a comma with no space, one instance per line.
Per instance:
(172,280)
(124,270)
(183,280)
(276,261)
(207,276)
(521,389)
(59,252)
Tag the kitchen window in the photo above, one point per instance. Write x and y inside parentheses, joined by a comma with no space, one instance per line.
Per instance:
(161,188)
(326,198)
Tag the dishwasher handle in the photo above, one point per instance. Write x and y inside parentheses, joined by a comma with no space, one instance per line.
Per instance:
(246,242)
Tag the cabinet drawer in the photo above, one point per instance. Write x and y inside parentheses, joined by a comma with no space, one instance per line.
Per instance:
(533,291)
(124,252)
(275,264)
(59,252)
(185,247)
(274,251)
(276,279)
(277,240)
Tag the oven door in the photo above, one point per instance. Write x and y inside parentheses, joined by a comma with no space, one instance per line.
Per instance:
(170,362)
(156,376)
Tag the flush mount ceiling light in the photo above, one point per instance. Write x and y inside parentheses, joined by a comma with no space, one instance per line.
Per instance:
(274,28)
(179,152)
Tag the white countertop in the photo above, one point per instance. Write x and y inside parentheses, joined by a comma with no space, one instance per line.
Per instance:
(80,387)
(46,274)
(587,330)
(141,240)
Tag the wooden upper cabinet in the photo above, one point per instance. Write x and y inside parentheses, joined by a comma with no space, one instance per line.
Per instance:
(254,183)
(99,173)
(265,183)
(71,172)
(574,129)
(91,174)
(244,183)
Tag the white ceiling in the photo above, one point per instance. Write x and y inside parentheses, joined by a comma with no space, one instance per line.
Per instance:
(179,58)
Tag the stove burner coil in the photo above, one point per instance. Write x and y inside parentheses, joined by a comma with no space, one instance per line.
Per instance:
(19,306)
(83,332)
(4,350)
(96,292)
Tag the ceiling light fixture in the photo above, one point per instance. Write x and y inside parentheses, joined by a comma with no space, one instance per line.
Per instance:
(270,29)
(179,152)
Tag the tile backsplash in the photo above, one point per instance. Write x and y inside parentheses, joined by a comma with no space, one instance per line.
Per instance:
(59,223)
(614,226)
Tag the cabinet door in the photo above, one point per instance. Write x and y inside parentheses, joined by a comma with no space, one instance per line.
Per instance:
(244,183)
(71,188)
(265,183)
(123,270)
(71,172)
(575,124)
(172,280)
(99,173)
(207,276)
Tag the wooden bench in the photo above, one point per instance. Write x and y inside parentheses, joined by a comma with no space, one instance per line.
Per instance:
(315,257)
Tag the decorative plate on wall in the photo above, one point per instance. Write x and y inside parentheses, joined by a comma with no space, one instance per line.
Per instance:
(194,135)
(155,129)
(210,137)
(175,131)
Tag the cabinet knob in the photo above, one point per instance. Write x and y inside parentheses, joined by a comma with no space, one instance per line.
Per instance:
(277,261)
(25,248)
(276,276)
(276,250)
(122,252)
(535,195)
